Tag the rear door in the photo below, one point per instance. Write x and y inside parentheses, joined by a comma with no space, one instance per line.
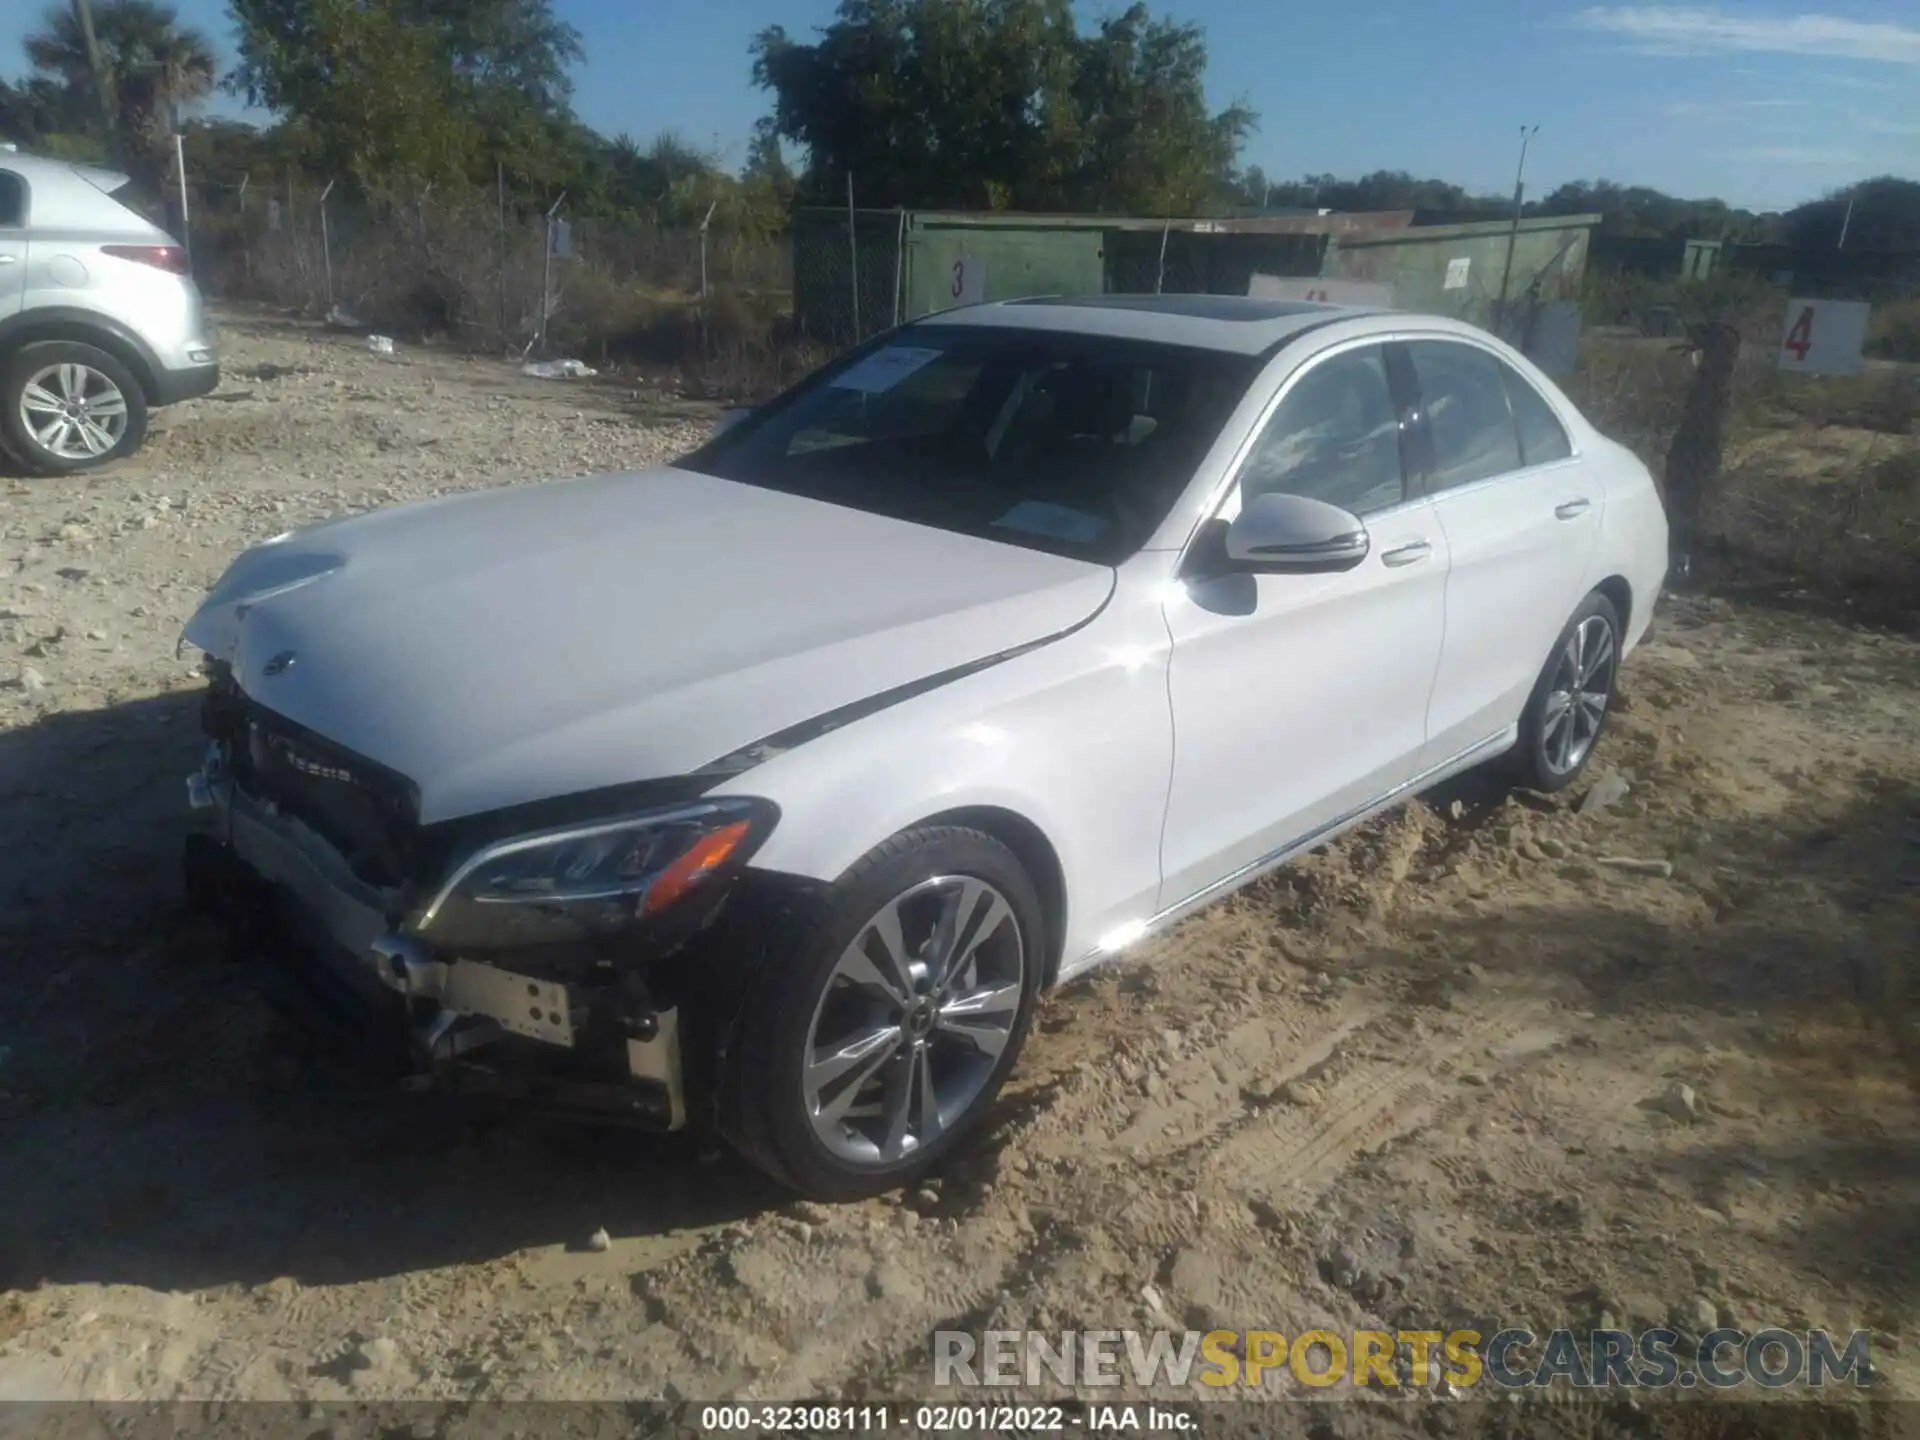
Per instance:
(13,242)
(1521,515)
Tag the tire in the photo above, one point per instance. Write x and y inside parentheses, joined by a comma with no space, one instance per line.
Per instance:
(38,377)
(1550,755)
(859,1125)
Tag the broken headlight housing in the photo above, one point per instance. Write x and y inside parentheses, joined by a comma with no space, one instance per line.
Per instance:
(593,879)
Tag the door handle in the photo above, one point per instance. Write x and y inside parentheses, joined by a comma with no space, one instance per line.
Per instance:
(1572,508)
(1406,554)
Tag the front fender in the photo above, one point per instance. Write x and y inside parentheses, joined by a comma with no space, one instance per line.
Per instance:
(1075,738)
(89,327)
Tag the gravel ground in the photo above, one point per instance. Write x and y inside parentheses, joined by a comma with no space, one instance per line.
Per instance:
(1430,1076)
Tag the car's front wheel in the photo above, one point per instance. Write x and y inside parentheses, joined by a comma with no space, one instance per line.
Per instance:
(65,407)
(1568,709)
(870,1045)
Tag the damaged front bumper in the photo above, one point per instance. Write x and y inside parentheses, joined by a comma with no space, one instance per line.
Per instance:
(333,950)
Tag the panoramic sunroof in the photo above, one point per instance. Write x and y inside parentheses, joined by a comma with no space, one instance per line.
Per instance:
(1199,307)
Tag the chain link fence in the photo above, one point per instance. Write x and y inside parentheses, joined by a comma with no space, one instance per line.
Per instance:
(738,313)
(500,277)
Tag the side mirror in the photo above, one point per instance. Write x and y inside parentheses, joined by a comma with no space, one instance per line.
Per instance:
(1293,534)
(730,418)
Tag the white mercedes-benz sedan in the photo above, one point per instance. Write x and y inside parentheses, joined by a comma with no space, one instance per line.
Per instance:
(768,790)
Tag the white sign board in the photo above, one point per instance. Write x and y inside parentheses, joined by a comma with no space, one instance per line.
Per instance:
(1823,337)
(1317,291)
(560,239)
(1457,269)
(967,281)
(273,214)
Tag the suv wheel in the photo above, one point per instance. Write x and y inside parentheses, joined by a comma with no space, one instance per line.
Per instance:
(66,407)
(1568,707)
(872,1046)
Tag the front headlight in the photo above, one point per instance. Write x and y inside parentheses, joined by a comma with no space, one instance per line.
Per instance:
(589,879)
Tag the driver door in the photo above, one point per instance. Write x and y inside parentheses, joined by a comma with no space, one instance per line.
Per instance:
(1299,699)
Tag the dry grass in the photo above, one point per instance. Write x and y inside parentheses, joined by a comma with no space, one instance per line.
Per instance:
(1893,331)
(1820,488)
(628,298)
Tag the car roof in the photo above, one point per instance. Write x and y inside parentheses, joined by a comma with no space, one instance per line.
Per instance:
(75,196)
(1235,324)
(43,168)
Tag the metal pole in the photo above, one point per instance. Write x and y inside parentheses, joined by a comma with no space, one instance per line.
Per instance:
(1160,277)
(1846,225)
(899,251)
(546,274)
(293,236)
(246,240)
(500,183)
(853,258)
(1513,233)
(704,223)
(546,285)
(186,227)
(326,243)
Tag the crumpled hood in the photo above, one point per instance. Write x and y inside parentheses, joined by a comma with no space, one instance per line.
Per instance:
(511,645)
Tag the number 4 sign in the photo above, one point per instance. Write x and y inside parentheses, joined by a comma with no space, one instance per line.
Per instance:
(1823,337)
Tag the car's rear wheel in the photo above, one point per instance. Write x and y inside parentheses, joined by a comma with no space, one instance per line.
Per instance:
(67,407)
(878,1040)
(1568,709)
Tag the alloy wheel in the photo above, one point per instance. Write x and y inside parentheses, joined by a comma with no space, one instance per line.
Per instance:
(73,411)
(913,1020)
(1576,703)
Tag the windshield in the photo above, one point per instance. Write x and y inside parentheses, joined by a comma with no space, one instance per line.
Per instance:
(1074,444)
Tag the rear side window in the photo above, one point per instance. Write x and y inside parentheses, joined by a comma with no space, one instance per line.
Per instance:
(13,200)
(1542,437)
(1468,417)
(1336,437)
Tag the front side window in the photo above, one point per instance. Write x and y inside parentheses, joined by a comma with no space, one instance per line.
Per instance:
(13,201)
(1079,445)
(1468,417)
(1335,437)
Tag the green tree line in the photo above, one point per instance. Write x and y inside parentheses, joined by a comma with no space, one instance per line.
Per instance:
(961,104)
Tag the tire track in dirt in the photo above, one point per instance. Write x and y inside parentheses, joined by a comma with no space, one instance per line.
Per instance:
(1373,1098)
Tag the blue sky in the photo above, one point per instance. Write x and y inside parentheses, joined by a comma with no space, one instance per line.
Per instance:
(1762,103)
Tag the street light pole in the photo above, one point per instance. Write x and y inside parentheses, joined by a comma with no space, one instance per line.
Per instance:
(1513,233)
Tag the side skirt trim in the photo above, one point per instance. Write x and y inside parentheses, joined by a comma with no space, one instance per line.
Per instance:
(1466,759)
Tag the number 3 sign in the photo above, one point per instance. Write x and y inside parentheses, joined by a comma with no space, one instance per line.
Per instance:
(967,281)
(1823,337)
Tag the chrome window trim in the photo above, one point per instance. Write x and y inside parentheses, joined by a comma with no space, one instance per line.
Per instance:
(1477,343)
(1505,477)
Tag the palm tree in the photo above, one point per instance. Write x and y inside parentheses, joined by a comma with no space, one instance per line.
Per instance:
(151,64)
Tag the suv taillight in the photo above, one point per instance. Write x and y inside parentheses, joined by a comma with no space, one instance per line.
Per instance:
(171,258)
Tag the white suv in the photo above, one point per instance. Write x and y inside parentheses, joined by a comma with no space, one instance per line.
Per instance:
(100,320)
(774,786)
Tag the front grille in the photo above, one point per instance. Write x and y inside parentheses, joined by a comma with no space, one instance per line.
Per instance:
(363,810)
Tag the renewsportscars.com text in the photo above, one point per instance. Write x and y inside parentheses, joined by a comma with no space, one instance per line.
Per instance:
(1513,1359)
